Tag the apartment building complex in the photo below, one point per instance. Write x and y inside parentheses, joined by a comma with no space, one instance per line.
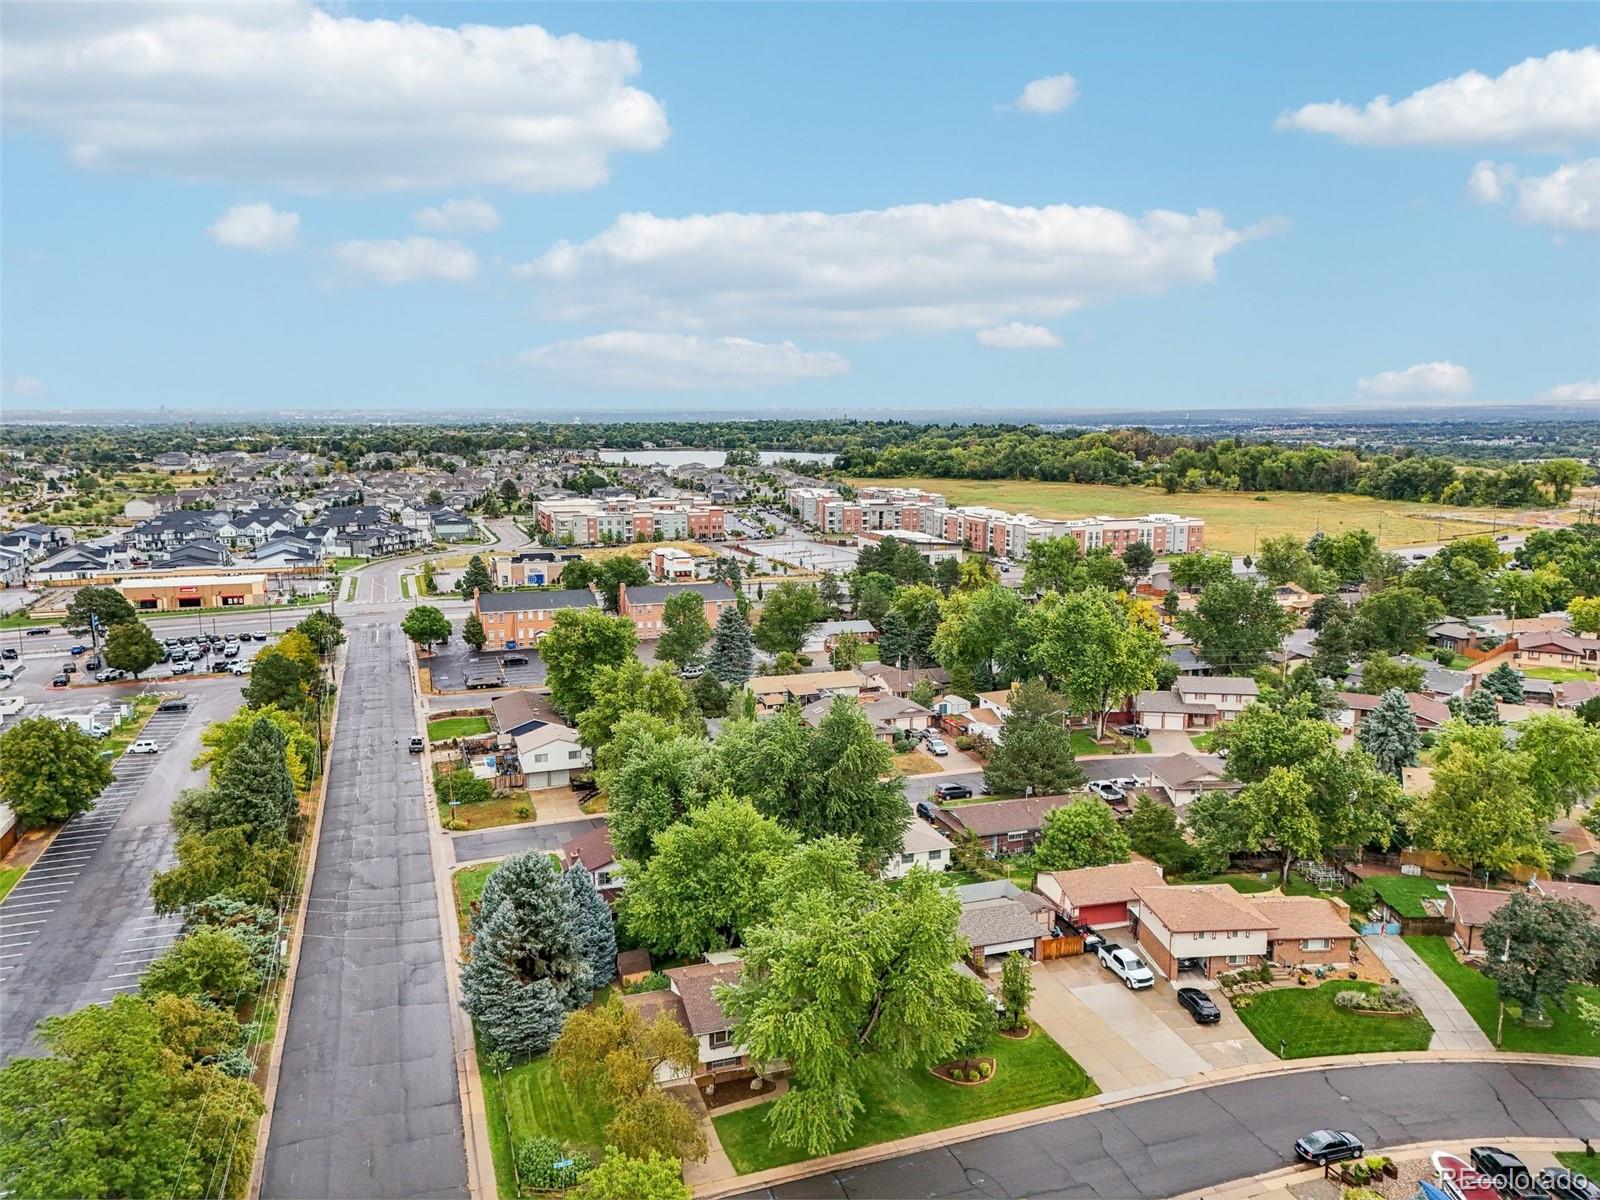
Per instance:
(1003,534)
(646,606)
(587,522)
(516,620)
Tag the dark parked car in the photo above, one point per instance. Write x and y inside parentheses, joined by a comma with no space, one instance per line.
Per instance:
(39,630)
(77,650)
(515,660)
(1564,1184)
(69,668)
(953,791)
(92,663)
(1200,1006)
(176,704)
(60,681)
(1133,730)
(924,810)
(1508,1174)
(9,652)
(1323,1146)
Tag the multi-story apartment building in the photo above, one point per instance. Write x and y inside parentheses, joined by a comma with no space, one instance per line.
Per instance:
(627,518)
(519,619)
(646,606)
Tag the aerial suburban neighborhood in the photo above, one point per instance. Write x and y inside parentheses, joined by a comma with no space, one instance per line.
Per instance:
(703,602)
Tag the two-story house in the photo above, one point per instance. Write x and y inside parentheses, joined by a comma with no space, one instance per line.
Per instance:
(1205,928)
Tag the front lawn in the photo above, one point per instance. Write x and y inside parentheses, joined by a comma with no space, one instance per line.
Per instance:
(1028,1074)
(537,1103)
(1306,1023)
(1577,1160)
(1561,674)
(1405,893)
(467,884)
(915,762)
(442,729)
(1083,744)
(1565,1034)
(490,814)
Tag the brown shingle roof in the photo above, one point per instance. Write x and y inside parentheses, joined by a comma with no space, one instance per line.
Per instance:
(650,1005)
(592,849)
(1473,907)
(1106,885)
(1199,908)
(694,986)
(1002,816)
(1300,917)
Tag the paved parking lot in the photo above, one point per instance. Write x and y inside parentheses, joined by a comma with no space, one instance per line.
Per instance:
(451,663)
(79,928)
(1126,1039)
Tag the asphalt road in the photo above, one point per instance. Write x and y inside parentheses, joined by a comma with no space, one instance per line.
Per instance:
(1169,1145)
(497,843)
(80,928)
(367,1103)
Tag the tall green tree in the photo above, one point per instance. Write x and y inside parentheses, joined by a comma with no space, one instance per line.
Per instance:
(895,644)
(787,615)
(1562,757)
(426,626)
(1097,654)
(224,862)
(731,659)
(1153,831)
(1503,683)
(1278,815)
(219,739)
(1390,734)
(210,963)
(527,967)
(849,976)
(1481,810)
(1395,620)
(131,647)
(1035,751)
(1081,833)
(1016,987)
(580,642)
(1380,674)
(254,785)
(49,772)
(99,605)
(617,572)
(1053,565)
(621,1177)
(1537,949)
(472,631)
(1236,625)
(709,882)
(324,630)
(597,930)
(685,631)
(475,579)
(651,776)
(127,1103)
(871,594)
(629,686)
(986,626)
(1138,558)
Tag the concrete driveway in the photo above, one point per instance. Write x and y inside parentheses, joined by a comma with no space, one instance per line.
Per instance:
(1128,1039)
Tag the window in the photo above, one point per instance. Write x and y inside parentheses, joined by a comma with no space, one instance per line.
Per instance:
(935,856)
(1317,944)
(908,859)
(721,1038)
(538,758)
(1238,960)
(572,754)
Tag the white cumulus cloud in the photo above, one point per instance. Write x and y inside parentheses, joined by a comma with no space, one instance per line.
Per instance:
(406,260)
(1017,336)
(458,216)
(25,386)
(258,227)
(1572,393)
(632,359)
(1051,94)
(287,95)
(1538,102)
(1566,200)
(1424,381)
(965,264)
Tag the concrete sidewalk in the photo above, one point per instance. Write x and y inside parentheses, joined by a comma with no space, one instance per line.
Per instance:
(1453,1026)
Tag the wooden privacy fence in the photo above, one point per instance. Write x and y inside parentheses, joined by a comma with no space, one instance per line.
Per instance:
(1060,947)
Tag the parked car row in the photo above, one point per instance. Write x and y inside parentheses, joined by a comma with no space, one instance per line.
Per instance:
(1497,1170)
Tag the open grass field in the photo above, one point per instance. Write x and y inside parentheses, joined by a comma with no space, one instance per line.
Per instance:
(442,728)
(1306,1023)
(1561,674)
(1028,1074)
(1405,893)
(641,550)
(1235,521)
(1566,1033)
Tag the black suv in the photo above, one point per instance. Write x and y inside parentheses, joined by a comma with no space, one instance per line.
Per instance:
(953,791)
(1508,1174)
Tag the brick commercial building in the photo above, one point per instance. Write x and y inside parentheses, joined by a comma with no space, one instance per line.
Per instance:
(513,620)
(530,568)
(194,591)
(646,606)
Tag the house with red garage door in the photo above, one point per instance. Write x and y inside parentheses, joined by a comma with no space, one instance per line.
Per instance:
(1098,896)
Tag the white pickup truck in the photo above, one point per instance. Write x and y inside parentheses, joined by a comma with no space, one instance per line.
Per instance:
(1126,966)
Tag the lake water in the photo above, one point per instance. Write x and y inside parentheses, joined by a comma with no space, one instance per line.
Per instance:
(710,458)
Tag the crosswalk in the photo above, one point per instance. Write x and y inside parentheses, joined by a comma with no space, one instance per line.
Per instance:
(26,913)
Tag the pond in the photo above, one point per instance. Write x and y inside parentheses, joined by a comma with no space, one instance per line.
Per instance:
(709,458)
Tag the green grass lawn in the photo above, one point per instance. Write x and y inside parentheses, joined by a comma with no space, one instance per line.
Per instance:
(1028,1074)
(1405,893)
(1577,1160)
(1566,1034)
(346,563)
(8,879)
(468,884)
(489,814)
(1203,741)
(443,728)
(1083,743)
(1560,674)
(537,1103)
(1309,1023)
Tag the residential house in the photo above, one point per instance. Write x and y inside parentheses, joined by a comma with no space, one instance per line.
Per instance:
(700,1013)
(998,918)
(1455,636)
(171,461)
(513,713)
(1228,694)
(1184,778)
(1098,897)
(549,755)
(1169,710)
(773,692)
(516,619)
(922,846)
(142,508)
(202,552)
(1469,909)
(285,552)
(646,606)
(1001,827)
(826,634)
(1308,931)
(900,681)
(1205,928)
(592,851)
(1556,650)
(35,542)
(1355,706)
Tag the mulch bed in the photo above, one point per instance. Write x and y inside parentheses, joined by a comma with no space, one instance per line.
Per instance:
(1017,1035)
(736,1092)
(943,1071)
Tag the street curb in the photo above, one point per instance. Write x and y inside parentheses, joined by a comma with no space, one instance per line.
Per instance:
(269,1089)
(1253,1185)
(957,1134)
(481,1180)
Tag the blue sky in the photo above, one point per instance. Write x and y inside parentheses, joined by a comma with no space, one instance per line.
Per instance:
(230,221)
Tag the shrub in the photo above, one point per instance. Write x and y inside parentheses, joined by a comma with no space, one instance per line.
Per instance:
(546,1164)
(1361,898)
(653,982)
(523,811)
(1390,998)
(985,1070)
